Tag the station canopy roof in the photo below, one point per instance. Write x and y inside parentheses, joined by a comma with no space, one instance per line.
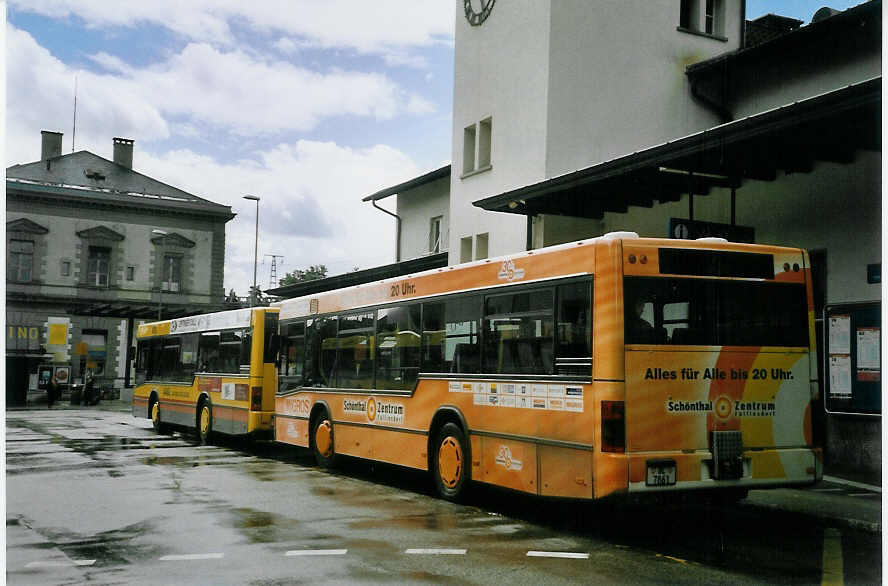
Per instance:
(405,267)
(828,127)
(411,184)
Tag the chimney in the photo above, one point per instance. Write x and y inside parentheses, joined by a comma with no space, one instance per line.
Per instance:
(51,144)
(123,152)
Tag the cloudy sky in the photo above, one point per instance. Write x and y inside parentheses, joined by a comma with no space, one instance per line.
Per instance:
(311,105)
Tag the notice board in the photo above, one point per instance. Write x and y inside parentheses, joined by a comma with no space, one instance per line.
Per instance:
(853,358)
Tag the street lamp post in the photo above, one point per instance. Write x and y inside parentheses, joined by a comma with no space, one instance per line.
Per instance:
(163,234)
(255,248)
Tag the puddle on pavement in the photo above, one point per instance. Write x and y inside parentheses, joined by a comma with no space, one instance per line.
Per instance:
(109,548)
(262,526)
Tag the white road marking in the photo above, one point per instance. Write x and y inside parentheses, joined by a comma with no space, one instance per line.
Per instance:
(303,552)
(833,566)
(435,551)
(852,483)
(827,489)
(192,556)
(59,563)
(558,554)
(862,494)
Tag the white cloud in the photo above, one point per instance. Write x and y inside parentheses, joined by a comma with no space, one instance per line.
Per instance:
(230,90)
(40,96)
(286,45)
(368,26)
(310,210)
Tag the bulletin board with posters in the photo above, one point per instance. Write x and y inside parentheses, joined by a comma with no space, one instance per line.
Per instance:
(853,358)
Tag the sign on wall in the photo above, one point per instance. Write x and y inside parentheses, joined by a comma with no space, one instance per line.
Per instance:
(22,337)
(853,369)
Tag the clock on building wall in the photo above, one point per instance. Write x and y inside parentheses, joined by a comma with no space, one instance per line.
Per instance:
(477,17)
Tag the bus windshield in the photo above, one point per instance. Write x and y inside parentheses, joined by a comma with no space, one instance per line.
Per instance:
(713,312)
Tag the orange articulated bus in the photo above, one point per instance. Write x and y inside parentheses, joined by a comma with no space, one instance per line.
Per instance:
(612,366)
(214,372)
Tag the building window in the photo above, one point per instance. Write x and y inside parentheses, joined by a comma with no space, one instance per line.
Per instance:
(465,249)
(476,146)
(172,273)
(435,234)
(481,246)
(714,17)
(99,266)
(702,16)
(66,268)
(485,128)
(469,149)
(130,273)
(21,261)
(686,14)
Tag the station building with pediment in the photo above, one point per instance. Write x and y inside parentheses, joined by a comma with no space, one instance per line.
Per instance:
(93,249)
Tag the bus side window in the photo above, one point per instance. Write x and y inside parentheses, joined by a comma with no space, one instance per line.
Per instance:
(169,359)
(292,355)
(188,357)
(397,347)
(154,362)
(433,337)
(354,361)
(462,348)
(143,360)
(575,320)
(230,351)
(208,352)
(320,351)
(245,350)
(518,333)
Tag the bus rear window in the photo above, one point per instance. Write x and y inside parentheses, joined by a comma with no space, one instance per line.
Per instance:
(715,313)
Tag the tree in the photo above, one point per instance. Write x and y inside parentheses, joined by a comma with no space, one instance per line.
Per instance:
(312,273)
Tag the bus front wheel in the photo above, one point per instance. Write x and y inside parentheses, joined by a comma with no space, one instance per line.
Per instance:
(450,463)
(205,423)
(322,441)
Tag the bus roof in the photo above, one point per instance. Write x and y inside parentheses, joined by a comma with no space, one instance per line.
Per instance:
(559,261)
(219,320)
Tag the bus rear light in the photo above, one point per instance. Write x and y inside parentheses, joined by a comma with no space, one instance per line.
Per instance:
(256,399)
(632,259)
(643,259)
(613,426)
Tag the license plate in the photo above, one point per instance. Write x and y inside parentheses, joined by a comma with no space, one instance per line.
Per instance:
(661,473)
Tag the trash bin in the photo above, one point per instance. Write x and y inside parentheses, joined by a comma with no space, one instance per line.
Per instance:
(76,393)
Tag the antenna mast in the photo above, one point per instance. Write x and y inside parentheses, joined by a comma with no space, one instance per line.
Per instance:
(74,132)
(272,278)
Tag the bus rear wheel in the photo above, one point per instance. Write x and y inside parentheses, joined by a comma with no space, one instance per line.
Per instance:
(322,441)
(450,463)
(205,422)
(159,426)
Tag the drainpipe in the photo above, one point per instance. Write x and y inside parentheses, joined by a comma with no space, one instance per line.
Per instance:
(397,229)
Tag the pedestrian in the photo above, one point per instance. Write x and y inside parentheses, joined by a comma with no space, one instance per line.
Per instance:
(51,390)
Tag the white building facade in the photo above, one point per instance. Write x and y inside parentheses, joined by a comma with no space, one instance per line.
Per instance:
(573,118)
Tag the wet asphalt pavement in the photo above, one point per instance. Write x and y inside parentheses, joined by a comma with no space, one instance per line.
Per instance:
(95,496)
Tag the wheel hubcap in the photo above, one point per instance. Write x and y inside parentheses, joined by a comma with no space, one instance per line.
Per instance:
(205,420)
(324,439)
(450,462)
